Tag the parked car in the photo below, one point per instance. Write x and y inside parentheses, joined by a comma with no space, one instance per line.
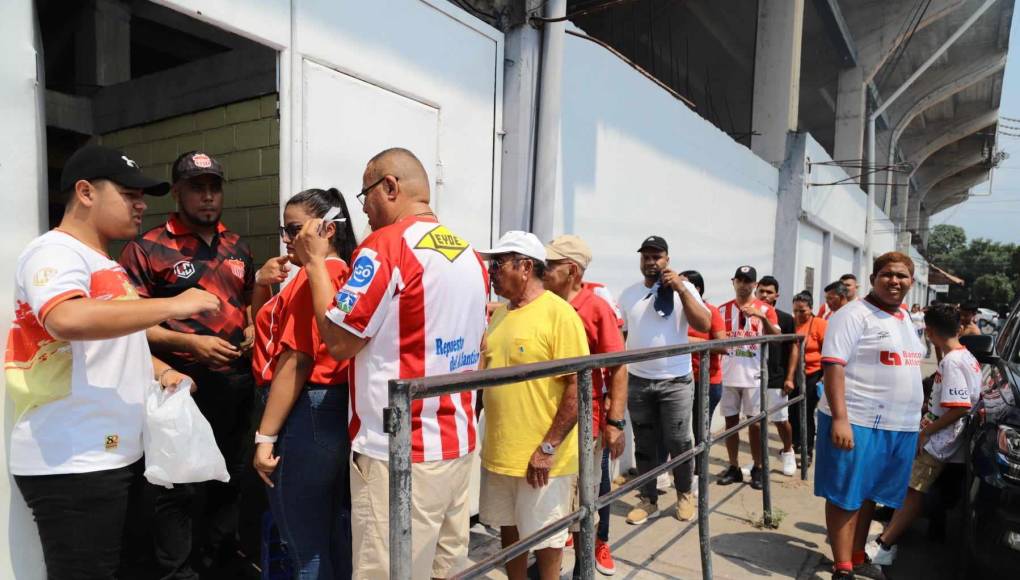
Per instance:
(992,481)
(987,320)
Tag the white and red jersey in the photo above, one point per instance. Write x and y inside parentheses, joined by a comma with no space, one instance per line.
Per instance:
(78,403)
(418,291)
(957,385)
(823,312)
(882,357)
(602,292)
(741,367)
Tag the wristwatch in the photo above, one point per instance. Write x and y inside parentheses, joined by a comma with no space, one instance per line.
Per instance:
(547,448)
(618,423)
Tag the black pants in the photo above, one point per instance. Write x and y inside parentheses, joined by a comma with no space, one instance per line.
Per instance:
(811,382)
(226,401)
(81,519)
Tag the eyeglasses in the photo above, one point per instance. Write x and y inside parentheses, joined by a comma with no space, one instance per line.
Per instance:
(290,231)
(364,192)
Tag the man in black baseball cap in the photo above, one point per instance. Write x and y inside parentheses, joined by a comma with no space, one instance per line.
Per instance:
(654,243)
(94,162)
(104,192)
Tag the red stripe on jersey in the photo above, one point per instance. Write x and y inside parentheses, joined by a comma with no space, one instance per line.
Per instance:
(467,403)
(412,351)
(833,360)
(355,422)
(446,414)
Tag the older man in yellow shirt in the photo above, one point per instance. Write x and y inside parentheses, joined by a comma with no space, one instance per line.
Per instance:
(529,455)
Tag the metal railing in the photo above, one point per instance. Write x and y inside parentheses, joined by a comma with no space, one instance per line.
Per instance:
(397,421)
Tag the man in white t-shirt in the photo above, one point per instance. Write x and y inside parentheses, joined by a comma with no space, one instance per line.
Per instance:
(414,305)
(956,390)
(868,419)
(77,366)
(744,316)
(660,392)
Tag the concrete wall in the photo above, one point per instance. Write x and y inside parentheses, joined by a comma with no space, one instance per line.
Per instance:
(23,172)
(635,162)
(244,137)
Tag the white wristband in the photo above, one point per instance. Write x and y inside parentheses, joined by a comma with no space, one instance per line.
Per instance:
(260,438)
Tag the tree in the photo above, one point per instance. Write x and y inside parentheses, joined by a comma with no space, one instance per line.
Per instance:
(945,239)
(993,289)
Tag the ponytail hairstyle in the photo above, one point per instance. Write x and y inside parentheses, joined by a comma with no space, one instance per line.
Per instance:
(319,201)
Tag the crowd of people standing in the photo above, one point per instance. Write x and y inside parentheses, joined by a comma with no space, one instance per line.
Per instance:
(290,362)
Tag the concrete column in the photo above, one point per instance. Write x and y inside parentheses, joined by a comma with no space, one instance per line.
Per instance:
(776,77)
(913,213)
(788,209)
(520,96)
(103,45)
(547,140)
(826,273)
(858,269)
(900,210)
(850,115)
(923,229)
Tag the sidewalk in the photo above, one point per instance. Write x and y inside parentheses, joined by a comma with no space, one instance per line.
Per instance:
(667,548)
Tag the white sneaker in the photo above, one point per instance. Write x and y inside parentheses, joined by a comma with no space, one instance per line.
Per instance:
(879,555)
(789,462)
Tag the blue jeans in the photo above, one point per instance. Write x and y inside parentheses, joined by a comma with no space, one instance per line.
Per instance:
(311,502)
(605,486)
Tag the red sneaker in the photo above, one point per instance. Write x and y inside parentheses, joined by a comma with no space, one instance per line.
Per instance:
(603,559)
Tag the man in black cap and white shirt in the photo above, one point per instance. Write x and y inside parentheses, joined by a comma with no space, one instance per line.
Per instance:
(77,366)
(744,316)
(660,395)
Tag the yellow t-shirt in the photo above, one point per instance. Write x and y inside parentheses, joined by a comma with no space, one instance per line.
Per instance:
(517,416)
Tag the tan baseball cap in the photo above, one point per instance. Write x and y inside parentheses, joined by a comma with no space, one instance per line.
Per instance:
(569,247)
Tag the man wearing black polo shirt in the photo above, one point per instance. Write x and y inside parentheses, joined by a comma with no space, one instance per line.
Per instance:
(193,249)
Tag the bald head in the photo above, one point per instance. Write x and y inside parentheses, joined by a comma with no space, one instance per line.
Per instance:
(402,164)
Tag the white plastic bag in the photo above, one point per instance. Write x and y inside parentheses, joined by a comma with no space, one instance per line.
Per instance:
(179,443)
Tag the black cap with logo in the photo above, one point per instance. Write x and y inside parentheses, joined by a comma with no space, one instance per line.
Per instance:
(193,164)
(655,243)
(98,162)
(747,273)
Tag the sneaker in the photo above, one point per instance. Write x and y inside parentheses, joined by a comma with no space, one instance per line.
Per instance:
(842,575)
(644,510)
(603,559)
(756,478)
(881,556)
(685,507)
(731,475)
(789,462)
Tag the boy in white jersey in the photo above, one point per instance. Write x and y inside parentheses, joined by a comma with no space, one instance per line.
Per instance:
(956,390)
(868,419)
(78,363)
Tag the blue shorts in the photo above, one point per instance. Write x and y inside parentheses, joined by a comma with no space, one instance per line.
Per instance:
(876,469)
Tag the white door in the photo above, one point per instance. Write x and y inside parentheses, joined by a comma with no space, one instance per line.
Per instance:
(347,121)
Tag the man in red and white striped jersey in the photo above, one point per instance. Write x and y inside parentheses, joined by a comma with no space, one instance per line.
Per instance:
(744,316)
(414,306)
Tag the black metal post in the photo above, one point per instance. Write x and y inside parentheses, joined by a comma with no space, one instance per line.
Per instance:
(803,419)
(703,426)
(397,419)
(763,426)
(585,553)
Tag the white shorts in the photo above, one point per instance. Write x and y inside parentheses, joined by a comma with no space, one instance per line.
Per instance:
(747,402)
(511,501)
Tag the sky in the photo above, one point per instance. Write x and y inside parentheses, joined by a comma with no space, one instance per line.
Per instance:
(997,216)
